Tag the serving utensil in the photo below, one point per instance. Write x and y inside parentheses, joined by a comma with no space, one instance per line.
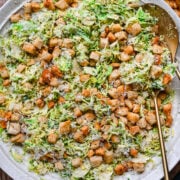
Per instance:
(168,30)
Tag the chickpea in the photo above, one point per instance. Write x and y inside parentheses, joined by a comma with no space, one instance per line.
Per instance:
(107,145)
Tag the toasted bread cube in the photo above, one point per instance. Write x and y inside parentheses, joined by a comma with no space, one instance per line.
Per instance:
(65,127)
(13,128)
(45,56)
(52,138)
(38,43)
(15,18)
(49,4)
(62,5)
(29,48)
(134,29)
(95,56)
(35,6)
(96,161)
(77,162)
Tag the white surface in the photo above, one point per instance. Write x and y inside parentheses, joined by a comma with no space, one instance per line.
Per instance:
(19,171)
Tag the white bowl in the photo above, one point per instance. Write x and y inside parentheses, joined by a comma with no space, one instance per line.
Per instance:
(154,171)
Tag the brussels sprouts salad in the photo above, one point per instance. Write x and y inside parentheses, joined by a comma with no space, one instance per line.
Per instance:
(69,77)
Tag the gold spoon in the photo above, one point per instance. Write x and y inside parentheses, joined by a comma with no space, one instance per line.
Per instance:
(168,29)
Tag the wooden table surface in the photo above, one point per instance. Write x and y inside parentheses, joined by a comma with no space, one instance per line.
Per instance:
(173,173)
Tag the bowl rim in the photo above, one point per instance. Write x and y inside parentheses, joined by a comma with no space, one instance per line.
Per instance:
(14,169)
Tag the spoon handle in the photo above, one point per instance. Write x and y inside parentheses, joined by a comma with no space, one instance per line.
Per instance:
(161,140)
(178,73)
